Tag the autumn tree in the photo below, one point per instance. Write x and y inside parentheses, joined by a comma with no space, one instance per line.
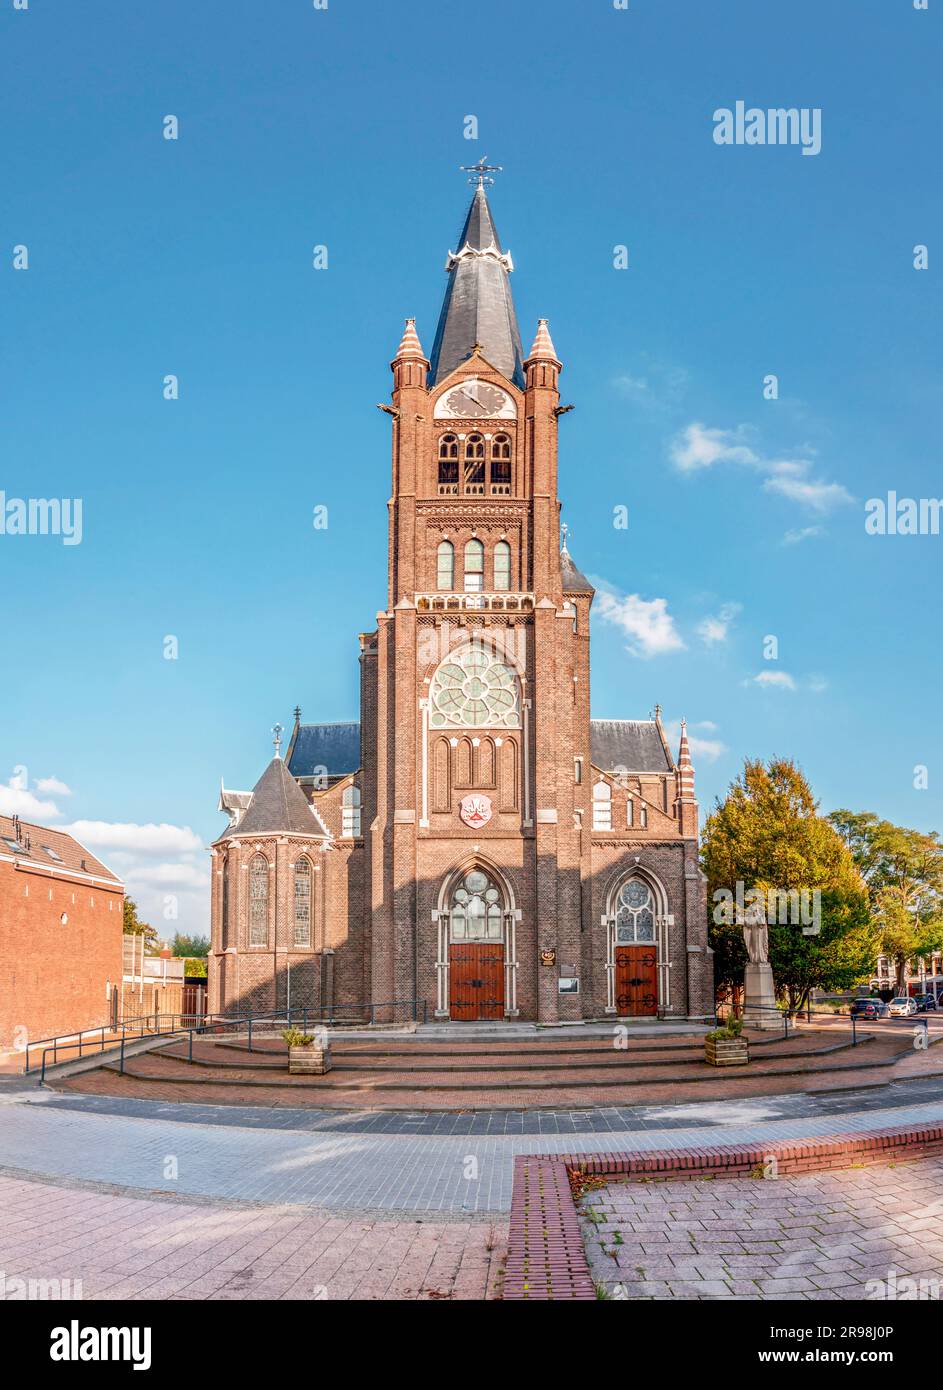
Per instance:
(768,834)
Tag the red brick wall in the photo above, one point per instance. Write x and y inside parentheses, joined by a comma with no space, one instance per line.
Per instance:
(53,977)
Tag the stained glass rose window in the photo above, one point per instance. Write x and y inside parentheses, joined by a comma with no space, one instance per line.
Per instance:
(474,689)
(635,913)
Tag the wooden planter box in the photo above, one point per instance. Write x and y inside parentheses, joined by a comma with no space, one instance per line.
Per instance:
(727,1052)
(309,1061)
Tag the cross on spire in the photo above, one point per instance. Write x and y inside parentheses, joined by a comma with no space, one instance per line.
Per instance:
(277,731)
(481,171)
(564,531)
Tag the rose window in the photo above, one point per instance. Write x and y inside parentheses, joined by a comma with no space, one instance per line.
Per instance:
(474,690)
(635,913)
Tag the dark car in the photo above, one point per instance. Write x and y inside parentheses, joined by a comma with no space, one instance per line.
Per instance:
(926,1003)
(869,1008)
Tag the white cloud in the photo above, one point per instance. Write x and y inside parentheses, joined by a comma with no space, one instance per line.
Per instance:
(821,497)
(802,533)
(646,622)
(699,447)
(52,786)
(716,627)
(772,680)
(703,749)
(142,839)
(16,800)
(164,868)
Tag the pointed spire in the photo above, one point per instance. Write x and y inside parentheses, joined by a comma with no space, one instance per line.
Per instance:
(410,346)
(478,307)
(684,752)
(543,348)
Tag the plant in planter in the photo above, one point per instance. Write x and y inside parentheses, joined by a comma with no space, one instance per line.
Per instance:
(726,1046)
(307,1055)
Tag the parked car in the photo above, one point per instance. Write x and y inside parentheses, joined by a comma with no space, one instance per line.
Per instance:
(868,1008)
(902,1007)
(926,1003)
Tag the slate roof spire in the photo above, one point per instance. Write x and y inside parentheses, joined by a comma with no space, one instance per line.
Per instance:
(277,806)
(478,309)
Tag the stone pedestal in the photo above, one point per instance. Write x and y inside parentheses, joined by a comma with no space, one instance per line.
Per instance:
(759,998)
(309,1061)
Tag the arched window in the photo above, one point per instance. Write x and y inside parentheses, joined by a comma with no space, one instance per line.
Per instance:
(441,784)
(350,813)
(303,902)
(485,777)
(474,465)
(448,464)
(635,913)
(629,811)
(501,465)
(474,566)
(463,763)
(502,565)
(602,806)
(643,817)
(474,689)
(258,901)
(508,770)
(476,912)
(225,907)
(445,566)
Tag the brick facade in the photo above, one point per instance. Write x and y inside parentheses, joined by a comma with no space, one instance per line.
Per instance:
(61,924)
(506,597)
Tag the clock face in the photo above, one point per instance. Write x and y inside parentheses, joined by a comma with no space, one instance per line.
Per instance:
(477,400)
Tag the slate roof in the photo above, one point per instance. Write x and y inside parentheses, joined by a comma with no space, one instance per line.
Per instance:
(70,855)
(632,744)
(278,805)
(316,747)
(574,581)
(478,305)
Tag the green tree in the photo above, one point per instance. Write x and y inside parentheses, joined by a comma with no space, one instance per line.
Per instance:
(903,870)
(134,926)
(768,834)
(190,945)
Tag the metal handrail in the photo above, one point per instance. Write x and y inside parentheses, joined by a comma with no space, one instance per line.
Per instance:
(213,1022)
(788,1014)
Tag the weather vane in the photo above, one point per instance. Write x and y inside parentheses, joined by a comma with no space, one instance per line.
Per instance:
(277,731)
(481,171)
(564,531)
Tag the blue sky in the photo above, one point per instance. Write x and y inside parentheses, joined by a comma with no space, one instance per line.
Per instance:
(344,127)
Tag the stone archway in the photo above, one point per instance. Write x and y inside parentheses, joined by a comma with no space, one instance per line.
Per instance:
(636,951)
(477,952)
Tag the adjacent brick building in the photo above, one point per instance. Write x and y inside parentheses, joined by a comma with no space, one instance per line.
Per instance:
(476,846)
(61,921)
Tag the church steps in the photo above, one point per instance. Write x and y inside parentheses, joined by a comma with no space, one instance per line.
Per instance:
(484,1063)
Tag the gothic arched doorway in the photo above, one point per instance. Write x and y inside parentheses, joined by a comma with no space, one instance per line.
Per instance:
(476,947)
(635,949)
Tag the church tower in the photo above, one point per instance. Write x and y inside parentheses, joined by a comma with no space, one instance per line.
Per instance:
(481,848)
(482,666)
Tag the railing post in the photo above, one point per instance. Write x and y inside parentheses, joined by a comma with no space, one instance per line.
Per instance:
(304,1020)
(121,1067)
(250,1032)
(854,1030)
(190,1054)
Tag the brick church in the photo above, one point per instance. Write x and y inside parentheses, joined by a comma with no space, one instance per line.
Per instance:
(476,847)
